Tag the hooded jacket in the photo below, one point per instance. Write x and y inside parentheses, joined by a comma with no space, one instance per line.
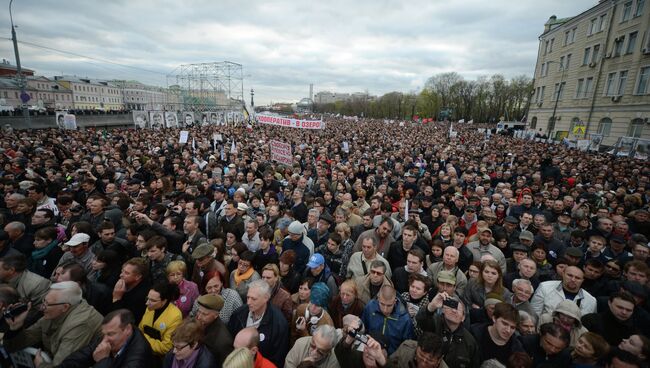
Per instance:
(572,310)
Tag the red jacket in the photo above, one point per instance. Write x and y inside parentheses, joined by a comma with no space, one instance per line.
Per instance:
(262,362)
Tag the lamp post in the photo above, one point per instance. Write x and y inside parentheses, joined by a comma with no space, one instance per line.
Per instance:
(24,97)
(557,97)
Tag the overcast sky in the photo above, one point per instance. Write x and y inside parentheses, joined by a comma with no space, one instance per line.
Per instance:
(343,46)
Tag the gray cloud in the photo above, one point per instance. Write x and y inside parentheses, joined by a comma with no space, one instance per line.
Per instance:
(344,46)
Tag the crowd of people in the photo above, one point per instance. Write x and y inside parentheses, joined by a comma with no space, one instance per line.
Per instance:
(382,245)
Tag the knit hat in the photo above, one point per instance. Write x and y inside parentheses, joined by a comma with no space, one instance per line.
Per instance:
(320,294)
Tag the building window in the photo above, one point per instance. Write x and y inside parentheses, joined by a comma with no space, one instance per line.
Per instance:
(631,42)
(593,26)
(622,81)
(636,128)
(546,47)
(644,81)
(627,11)
(587,57)
(550,48)
(596,54)
(639,8)
(533,123)
(568,62)
(605,127)
(544,70)
(603,22)
(618,45)
(561,63)
(580,88)
(551,123)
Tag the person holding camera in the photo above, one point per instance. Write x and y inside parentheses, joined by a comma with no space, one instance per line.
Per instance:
(68,322)
(372,355)
(444,316)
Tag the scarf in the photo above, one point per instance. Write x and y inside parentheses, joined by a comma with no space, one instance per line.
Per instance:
(242,277)
(186,363)
(43,252)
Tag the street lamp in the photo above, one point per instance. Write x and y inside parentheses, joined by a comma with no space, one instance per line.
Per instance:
(24,97)
(557,97)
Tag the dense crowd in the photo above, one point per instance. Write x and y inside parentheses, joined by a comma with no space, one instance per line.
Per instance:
(382,245)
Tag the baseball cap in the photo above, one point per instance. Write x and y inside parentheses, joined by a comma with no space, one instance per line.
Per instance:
(316,260)
(446,276)
(296,228)
(77,239)
(511,220)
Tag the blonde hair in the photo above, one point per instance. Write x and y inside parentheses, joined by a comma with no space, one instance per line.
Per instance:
(176,266)
(239,358)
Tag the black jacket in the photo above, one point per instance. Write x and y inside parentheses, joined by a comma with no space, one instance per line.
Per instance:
(273,329)
(540,358)
(205,359)
(607,326)
(218,341)
(134,300)
(136,354)
(459,347)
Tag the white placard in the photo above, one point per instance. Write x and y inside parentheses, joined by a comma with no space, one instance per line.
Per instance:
(281,152)
(183,136)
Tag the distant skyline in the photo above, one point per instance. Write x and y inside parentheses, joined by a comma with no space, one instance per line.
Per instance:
(339,46)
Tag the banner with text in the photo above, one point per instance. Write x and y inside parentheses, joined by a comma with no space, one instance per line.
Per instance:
(281,152)
(290,122)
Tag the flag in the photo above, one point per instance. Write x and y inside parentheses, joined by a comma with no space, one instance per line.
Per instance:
(223,154)
(193,145)
(233,147)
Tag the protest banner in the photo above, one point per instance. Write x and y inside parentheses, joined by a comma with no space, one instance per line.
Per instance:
(281,152)
(594,142)
(290,122)
(583,144)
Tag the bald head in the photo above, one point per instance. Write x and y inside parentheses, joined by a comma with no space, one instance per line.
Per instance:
(247,338)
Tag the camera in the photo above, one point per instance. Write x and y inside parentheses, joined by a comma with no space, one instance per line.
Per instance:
(451,303)
(362,338)
(359,337)
(15,311)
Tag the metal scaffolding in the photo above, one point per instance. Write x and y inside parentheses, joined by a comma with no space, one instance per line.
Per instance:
(207,86)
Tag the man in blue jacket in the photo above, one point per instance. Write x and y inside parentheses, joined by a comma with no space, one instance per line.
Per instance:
(385,316)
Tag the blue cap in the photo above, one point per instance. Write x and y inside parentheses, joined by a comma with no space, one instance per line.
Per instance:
(316,260)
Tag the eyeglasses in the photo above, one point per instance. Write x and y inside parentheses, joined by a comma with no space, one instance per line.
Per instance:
(379,273)
(179,348)
(45,304)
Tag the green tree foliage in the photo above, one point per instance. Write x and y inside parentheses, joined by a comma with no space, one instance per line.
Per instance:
(485,99)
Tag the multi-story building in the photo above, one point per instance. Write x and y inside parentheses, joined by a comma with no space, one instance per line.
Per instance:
(325,97)
(139,96)
(8,70)
(593,73)
(92,94)
(49,94)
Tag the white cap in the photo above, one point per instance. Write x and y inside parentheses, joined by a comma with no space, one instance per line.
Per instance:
(78,239)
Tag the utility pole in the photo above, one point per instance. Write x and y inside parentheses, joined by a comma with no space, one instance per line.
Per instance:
(24,97)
